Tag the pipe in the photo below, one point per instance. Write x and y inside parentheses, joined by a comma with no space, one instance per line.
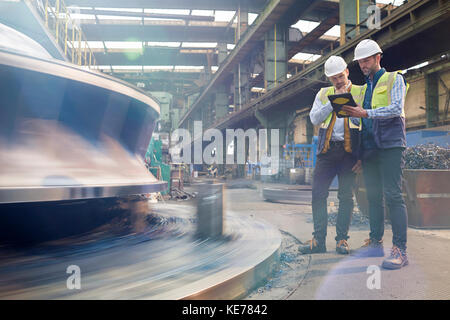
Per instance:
(357,17)
(73,42)
(57,20)
(275,52)
(65,35)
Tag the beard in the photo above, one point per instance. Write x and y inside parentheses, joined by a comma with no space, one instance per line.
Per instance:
(366,72)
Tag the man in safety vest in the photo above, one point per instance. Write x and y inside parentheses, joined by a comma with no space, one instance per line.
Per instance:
(336,155)
(383,140)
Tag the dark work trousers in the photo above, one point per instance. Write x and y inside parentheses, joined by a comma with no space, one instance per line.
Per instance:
(335,162)
(383,176)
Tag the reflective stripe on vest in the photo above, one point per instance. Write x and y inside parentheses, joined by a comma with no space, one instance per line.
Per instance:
(381,96)
(358,95)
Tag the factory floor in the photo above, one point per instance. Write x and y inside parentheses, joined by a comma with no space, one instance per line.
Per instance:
(333,276)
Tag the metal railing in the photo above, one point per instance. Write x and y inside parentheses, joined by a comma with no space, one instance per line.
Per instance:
(67,32)
(306,153)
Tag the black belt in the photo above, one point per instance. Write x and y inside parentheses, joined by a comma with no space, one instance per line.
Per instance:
(336,142)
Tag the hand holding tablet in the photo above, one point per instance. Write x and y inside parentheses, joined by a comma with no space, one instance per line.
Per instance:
(339,100)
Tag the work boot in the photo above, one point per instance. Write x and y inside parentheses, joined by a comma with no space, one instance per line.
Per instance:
(342,247)
(372,248)
(313,246)
(396,260)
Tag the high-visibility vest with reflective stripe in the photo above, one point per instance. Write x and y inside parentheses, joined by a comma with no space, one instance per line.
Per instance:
(381,96)
(358,95)
(390,132)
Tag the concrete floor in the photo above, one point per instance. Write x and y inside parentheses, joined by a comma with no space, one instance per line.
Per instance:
(333,276)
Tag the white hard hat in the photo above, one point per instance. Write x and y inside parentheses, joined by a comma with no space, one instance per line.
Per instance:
(334,65)
(366,48)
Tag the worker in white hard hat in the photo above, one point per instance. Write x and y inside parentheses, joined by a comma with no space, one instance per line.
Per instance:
(383,141)
(337,155)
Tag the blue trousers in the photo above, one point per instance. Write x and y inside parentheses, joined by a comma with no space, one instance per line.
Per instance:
(383,177)
(335,162)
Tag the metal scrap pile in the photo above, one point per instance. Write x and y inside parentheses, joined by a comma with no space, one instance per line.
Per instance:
(357,220)
(427,156)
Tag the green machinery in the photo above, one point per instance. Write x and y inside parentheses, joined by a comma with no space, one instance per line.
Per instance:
(165,100)
(155,163)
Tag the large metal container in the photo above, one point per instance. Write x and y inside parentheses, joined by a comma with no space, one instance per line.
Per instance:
(428,198)
(361,197)
(210,209)
(296,175)
(309,175)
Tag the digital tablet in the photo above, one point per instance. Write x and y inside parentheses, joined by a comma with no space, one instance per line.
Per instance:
(339,100)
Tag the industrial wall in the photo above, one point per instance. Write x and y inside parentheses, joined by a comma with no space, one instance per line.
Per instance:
(415,100)
(300,129)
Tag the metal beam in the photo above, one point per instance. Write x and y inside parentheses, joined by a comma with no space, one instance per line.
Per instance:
(312,36)
(417,21)
(293,66)
(159,22)
(175,33)
(319,46)
(176,86)
(160,75)
(145,15)
(154,57)
(275,56)
(229,5)
(320,11)
(317,10)
(182,56)
(266,19)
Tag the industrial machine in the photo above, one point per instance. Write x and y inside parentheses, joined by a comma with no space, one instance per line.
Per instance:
(72,177)
(67,135)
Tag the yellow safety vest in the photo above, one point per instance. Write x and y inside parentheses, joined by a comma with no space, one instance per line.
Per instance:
(381,96)
(358,95)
